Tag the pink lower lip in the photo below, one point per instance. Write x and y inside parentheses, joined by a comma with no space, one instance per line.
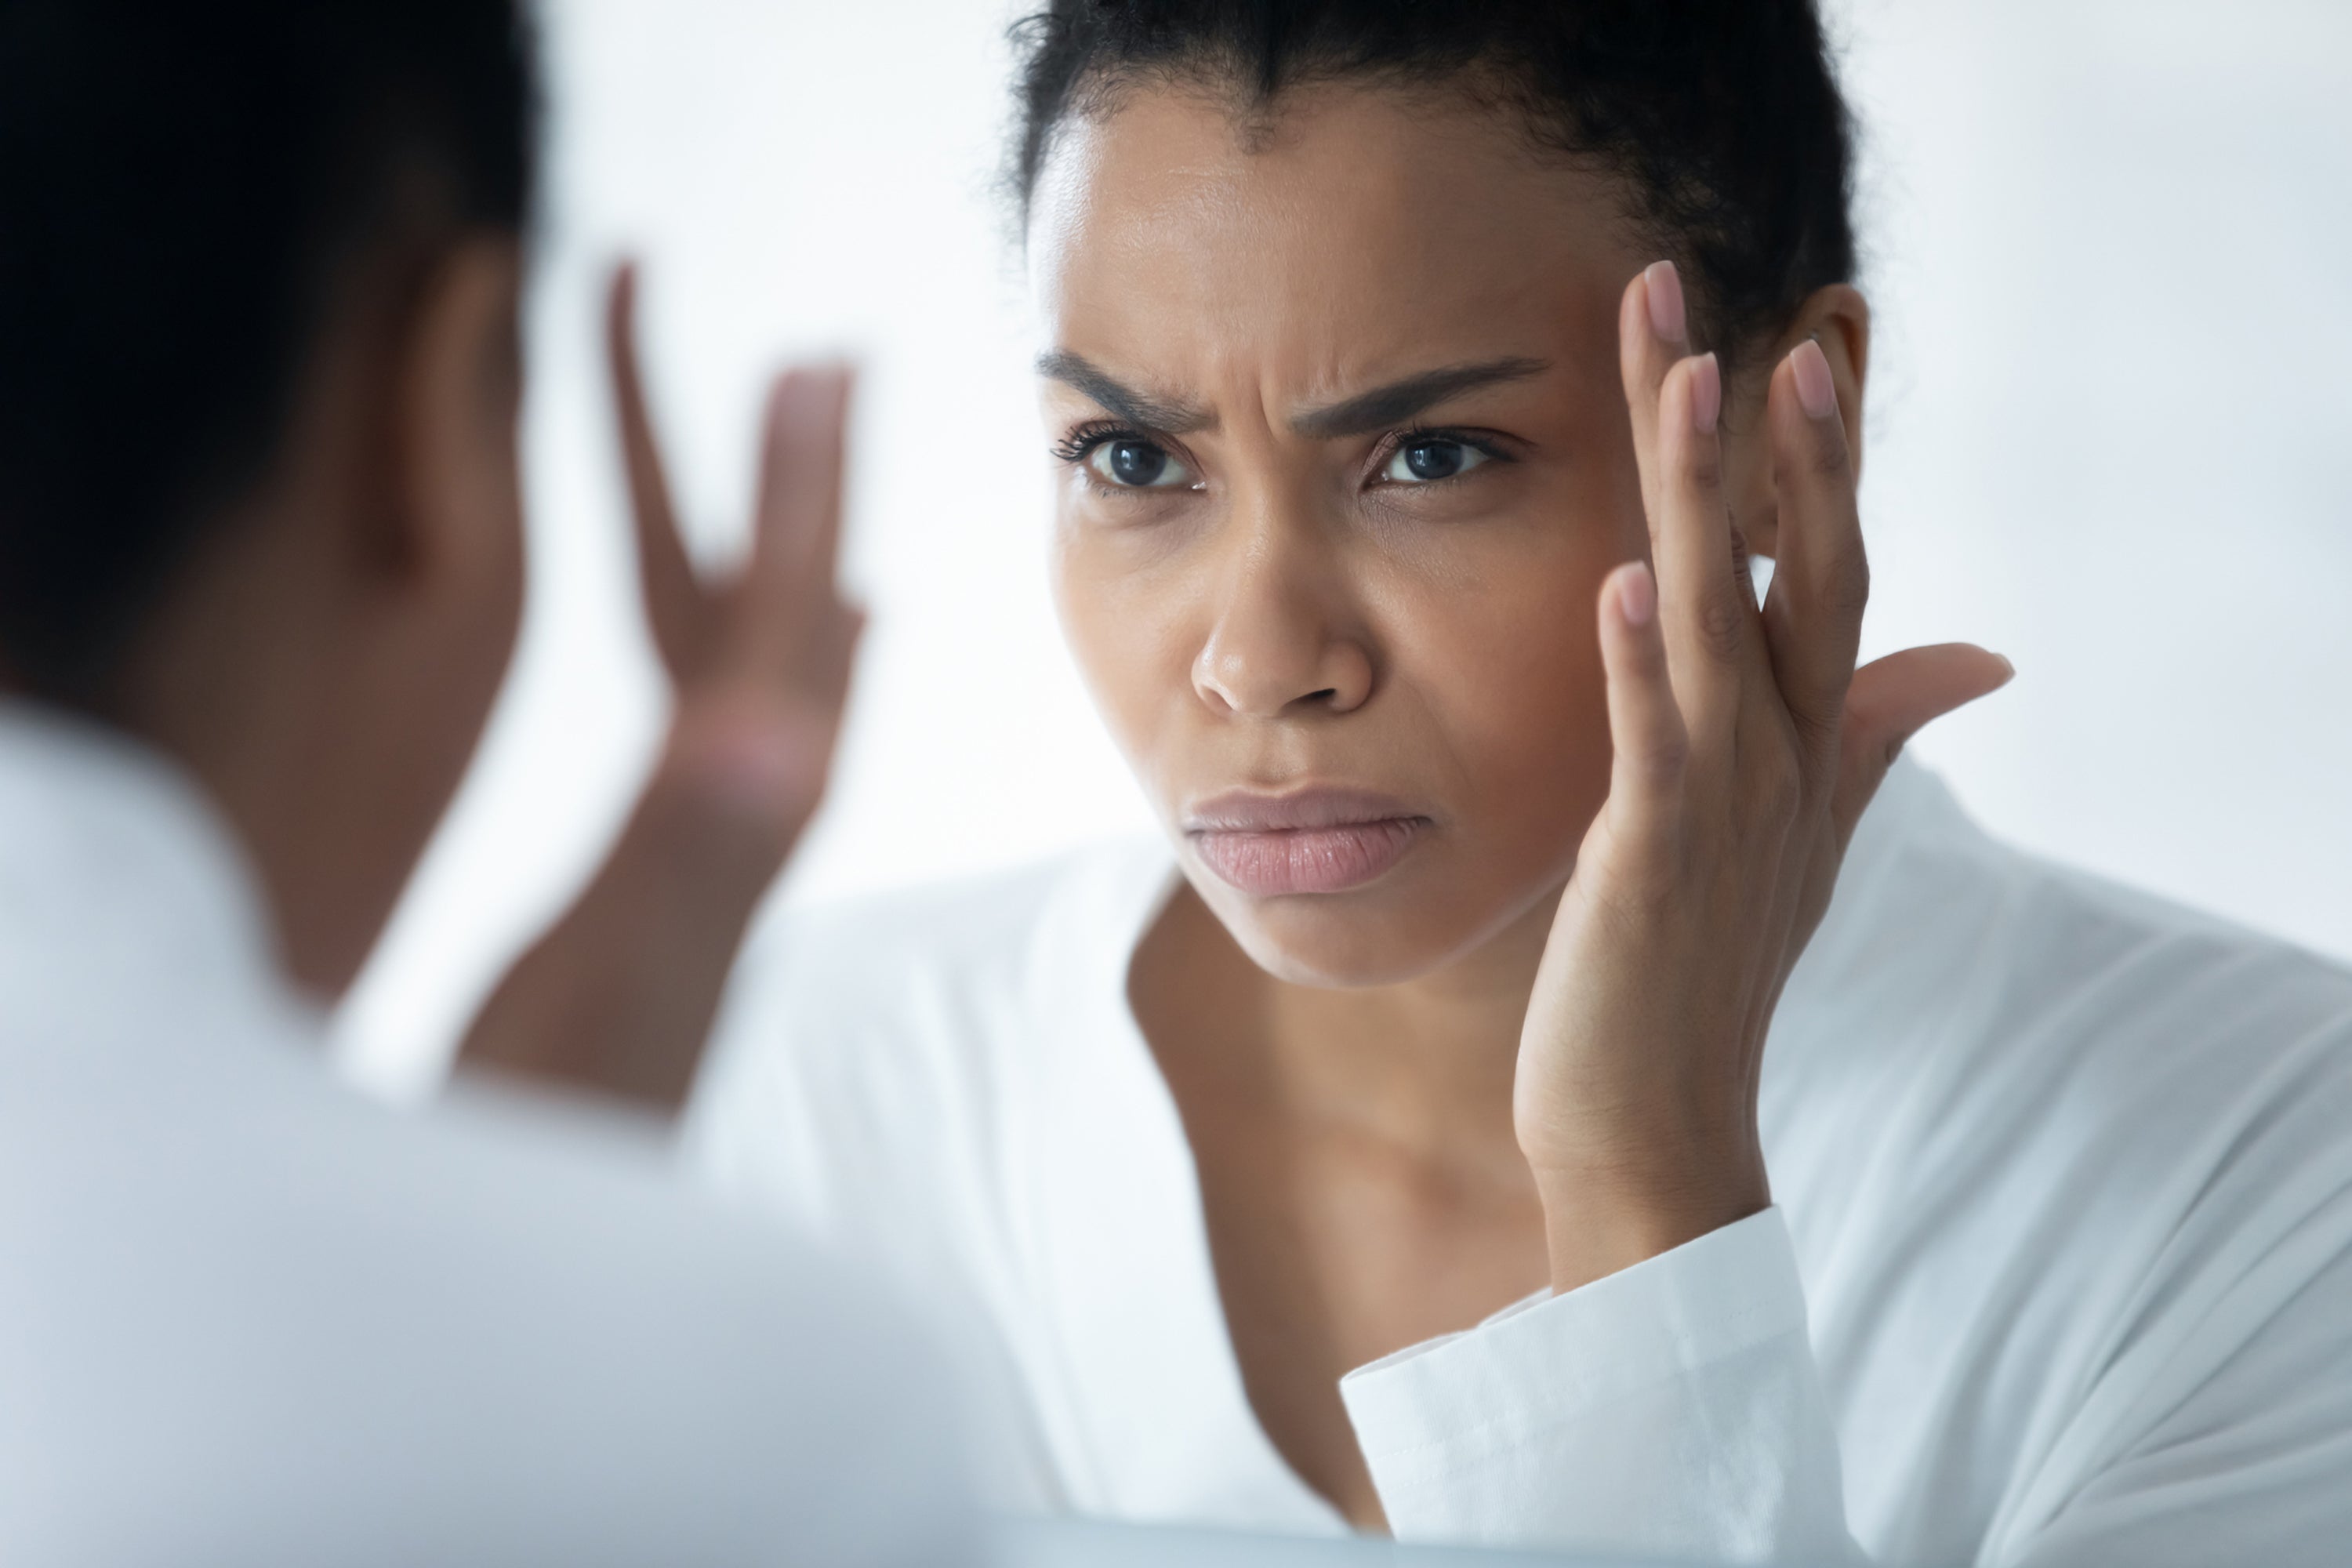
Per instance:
(1308,860)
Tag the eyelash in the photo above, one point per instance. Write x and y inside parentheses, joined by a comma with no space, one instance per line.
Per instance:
(1076,447)
(1080,443)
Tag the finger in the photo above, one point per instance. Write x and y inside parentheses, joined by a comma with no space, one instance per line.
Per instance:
(1675,403)
(824,560)
(801,461)
(798,526)
(1706,604)
(1647,740)
(1653,334)
(1892,699)
(848,635)
(1820,580)
(755,760)
(674,599)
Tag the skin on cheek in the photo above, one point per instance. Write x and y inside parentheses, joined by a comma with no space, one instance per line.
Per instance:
(1520,672)
(1132,653)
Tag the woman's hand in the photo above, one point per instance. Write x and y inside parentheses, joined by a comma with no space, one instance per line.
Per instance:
(759,662)
(619,996)
(1746,745)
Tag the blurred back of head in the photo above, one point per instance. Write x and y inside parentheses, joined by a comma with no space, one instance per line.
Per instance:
(182,185)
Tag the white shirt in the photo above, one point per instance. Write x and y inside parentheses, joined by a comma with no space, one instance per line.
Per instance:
(2061,1268)
(248,1317)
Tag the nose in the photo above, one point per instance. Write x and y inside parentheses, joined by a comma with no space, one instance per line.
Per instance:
(1286,639)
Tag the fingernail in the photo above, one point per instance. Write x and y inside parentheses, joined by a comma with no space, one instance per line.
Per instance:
(1705,393)
(1816,393)
(1664,286)
(2008,671)
(1637,594)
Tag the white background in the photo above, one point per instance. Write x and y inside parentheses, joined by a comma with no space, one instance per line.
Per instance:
(2108,425)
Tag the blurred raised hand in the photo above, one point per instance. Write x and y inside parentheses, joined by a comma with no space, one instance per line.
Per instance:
(618,996)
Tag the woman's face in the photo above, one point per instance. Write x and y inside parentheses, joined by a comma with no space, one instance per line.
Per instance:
(1345,458)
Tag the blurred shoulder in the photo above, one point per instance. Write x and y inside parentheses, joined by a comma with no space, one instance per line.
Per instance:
(845,958)
(914,1020)
(461,1297)
(917,962)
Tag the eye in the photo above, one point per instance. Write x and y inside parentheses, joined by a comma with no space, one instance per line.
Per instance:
(1420,460)
(1130,464)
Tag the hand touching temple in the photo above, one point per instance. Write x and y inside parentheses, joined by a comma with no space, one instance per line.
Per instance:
(1744,748)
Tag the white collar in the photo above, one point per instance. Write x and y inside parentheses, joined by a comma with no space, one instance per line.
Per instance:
(1159,1425)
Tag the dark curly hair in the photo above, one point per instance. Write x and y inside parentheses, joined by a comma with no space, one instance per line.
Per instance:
(1723,117)
(180,183)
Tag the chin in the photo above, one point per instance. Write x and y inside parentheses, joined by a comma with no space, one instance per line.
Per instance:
(1382,934)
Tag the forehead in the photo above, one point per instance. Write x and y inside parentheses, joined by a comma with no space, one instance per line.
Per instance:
(1347,229)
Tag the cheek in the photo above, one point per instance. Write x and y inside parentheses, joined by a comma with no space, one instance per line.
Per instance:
(496,507)
(1124,620)
(1511,676)
(505,568)
(1522,662)
(480,620)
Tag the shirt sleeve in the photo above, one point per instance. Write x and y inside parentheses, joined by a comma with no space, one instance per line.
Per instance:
(1675,1410)
(1672,1409)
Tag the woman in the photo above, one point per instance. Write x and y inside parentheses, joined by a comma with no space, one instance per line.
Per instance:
(1454,993)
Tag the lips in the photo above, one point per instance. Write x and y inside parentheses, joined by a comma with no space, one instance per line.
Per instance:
(1304,841)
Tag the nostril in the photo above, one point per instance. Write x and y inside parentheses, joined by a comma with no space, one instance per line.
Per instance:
(1326,695)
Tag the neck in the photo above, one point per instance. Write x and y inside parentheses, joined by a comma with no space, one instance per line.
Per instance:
(1424,1067)
(265,673)
(256,730)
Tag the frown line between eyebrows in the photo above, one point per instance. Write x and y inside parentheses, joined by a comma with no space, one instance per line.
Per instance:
(1159,415)
(1399,400)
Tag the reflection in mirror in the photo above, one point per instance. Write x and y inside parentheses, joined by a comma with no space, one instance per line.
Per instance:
(1362,973)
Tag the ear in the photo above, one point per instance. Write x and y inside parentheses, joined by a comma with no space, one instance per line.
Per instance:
(454,514)
(1837,318)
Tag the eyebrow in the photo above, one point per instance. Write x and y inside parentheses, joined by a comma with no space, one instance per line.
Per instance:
(1377,409)
(1162,415)
(1399,400)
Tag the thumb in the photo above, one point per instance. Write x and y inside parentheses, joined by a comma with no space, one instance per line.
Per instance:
(1892,699)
